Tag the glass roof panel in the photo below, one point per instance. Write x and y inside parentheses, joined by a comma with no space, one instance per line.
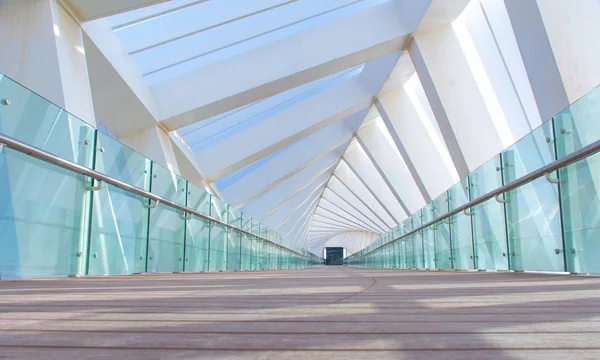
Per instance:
(206,136)
(229,179)
(192,20)
(170,39)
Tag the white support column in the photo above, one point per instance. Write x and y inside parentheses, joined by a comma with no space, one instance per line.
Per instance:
(155,144)
(414,125)
(41,47)
(538,56)
(343,102)
(572,28)
(438,109)
(458,99)
(402,150)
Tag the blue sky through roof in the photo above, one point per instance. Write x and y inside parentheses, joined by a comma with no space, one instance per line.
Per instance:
(186,35)
(306,91)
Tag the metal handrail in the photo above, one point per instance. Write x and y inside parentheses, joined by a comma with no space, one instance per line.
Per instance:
(102,178)
(543,171)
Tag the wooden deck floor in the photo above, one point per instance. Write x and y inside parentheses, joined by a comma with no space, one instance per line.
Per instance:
(321,313)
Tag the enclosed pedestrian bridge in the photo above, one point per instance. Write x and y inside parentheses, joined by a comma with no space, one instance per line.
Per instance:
(175,177)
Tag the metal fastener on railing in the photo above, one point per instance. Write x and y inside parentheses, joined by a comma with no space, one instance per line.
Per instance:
(5,102)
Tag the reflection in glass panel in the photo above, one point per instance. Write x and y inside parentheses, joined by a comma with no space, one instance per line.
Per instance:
(532,210)
(575,128)
(443,245)
(166,237)
(489,229)
(218,236)
(197,240)
(41,230)
(460,227)
(235,238)
(428,234)
(119,219)
(119,233)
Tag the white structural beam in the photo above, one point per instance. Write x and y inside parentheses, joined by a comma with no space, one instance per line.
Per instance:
(290,207)
(42,49)
(331,207)
(337,197)
(338,102)
(333,216)
(199,133)
(571,28)
(265,205)
(323,221)
(459,96)
(333,139)
(352,174)
(402,150)
(385,175)
(302,221)
(122,99)
(325,227)
(327,49)
(87,10)
(343,190)
(414,125)
(290,223)
(538,56)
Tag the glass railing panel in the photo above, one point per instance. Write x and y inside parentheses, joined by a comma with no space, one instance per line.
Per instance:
(577,127)
(168,184)
(411,259)
(428,235)
(489,226)
(418,241)
(218,236)
(460,227)
(197,234)
(35,121)
(234,240)
(246,244)
(443,245)
(166,239)
(43,213)
(532,210)
(119,236)
(167,225)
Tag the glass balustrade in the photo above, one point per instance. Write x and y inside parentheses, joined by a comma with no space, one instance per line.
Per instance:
(549,224)
(55,222)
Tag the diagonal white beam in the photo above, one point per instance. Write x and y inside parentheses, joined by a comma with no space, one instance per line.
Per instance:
(347,218)
(382,174)
(291,208)
(330,216)
(298,215)
(318,172)
(402,150)
(337,45)
(364,183)
(348,98)
(262,173)
(304,218)
(337,197)
(359,199)
(320,220)
(314,186)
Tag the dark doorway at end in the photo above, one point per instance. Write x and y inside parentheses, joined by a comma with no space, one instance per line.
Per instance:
(334,256)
